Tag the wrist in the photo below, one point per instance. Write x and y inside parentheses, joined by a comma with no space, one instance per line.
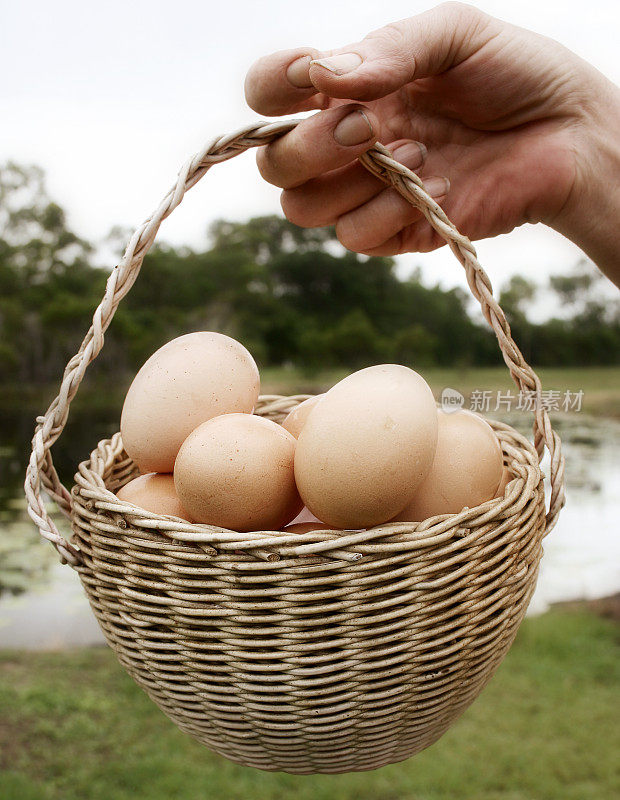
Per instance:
(591,215)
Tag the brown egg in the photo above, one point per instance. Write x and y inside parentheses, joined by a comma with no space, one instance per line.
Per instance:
(296,419)
(466,469)
(155,493)
(366,446)
(236,471)
(507,476)
(186,382)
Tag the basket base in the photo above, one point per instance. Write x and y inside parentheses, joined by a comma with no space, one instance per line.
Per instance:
(312,665)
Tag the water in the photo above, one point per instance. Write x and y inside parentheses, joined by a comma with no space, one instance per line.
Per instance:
(582,554)
(42,605)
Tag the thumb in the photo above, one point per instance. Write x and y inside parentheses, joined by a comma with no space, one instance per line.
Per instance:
(389,58)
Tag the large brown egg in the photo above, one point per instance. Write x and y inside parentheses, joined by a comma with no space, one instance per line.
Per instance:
(366,446)
(296,419)
(466,470)
(154,493)
(237,471)
(186,382)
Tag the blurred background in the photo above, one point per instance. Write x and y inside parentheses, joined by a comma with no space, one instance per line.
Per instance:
(102,104)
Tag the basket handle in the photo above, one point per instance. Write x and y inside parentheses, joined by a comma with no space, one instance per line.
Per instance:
(41,473)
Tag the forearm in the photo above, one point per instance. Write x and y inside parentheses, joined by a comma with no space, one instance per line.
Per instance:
(591,216)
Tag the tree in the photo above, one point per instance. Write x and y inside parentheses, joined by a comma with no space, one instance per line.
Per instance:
(576,287)
(515,296)
(291,295)
(514,299)
(264,238)
(45,275)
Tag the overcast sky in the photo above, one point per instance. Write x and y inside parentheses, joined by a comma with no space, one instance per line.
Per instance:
(111,98)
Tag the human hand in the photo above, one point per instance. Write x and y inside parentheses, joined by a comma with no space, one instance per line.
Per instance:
(517,124)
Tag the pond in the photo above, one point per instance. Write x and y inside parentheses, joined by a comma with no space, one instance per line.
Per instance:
(42,605)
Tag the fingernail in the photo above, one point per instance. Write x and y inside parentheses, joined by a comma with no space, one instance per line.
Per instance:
(355,128)
(340,64)
(411,154)
(297,73)
(437,187)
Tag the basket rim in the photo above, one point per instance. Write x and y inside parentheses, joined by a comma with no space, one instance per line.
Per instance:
(91,493)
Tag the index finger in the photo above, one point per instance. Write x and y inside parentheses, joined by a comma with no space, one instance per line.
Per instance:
(279,83)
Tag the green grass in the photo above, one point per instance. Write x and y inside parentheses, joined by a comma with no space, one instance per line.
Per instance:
(73,725)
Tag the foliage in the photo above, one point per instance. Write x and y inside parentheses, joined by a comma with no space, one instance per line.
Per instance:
(587,334)
(291,295)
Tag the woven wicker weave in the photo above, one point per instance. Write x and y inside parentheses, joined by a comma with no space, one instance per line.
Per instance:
(317,652)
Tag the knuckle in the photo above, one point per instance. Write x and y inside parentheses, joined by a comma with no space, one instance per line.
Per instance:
(261,162)
(458,10)
(463,17)
(434,242)
(254,84)
(266,167)
(398,35)
(297,209)
(392,33)
(421,238)
(345,235)
(394,40)
(351,236)
(283,164)
(385,250)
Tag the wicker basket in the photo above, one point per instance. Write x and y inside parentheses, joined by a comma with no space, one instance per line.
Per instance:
(316,652)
